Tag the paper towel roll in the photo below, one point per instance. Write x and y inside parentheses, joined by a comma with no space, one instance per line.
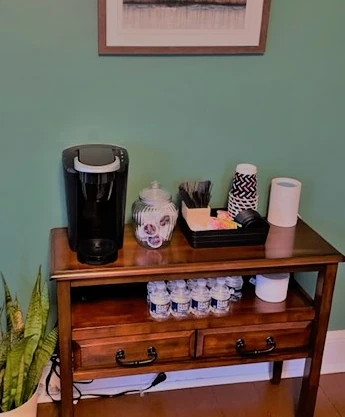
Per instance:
(284,202)
(272,287)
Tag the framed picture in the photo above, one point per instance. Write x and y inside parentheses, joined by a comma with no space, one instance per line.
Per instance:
(176,27)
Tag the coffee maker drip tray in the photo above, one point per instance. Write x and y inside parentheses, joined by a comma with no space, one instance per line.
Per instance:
(97,251)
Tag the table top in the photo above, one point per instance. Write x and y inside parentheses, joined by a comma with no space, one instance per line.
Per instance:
(288,248)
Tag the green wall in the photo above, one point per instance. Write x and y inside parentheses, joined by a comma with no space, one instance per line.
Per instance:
(179,117)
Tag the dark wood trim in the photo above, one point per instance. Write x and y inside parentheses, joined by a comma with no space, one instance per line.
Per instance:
(323,300)
(65,347)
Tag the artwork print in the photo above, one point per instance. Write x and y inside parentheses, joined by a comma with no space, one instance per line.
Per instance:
(182,26)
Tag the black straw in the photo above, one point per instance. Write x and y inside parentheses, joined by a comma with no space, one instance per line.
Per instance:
(196,194)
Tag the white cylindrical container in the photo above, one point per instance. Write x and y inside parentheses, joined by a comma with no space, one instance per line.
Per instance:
(284,202)
(272,287)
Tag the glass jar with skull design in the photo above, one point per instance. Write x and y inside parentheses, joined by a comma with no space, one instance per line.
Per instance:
(154,217)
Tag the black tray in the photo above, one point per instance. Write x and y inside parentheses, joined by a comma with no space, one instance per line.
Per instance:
(217,238)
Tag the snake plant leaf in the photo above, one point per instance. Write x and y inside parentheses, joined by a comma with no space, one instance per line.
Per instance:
(2,373)
(2,333)
(44,307)
(42,356)
(8,301)
(4,346)
(33,329)
(15,313)
(24,348)
(33,322)
(13,374)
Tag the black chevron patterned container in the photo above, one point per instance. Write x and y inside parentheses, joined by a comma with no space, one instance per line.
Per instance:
(243,194)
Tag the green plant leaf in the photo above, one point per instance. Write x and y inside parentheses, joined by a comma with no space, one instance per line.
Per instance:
(45,307)
(8,301)
(24,348)
(4,346)
(2,333)
(2,373)
(33,322)
(41,358)
(13,374)
(15,314)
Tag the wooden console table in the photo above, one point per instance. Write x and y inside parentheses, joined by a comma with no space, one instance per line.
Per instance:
(103,310)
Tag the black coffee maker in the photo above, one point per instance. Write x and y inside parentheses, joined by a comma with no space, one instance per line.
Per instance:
(96,189)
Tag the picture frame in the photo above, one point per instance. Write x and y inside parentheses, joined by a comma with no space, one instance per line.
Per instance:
(182,27)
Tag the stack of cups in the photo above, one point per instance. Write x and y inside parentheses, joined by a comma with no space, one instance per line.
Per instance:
(243,194)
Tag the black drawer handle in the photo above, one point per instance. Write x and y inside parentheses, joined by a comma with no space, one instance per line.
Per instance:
(121,356)
(241,347)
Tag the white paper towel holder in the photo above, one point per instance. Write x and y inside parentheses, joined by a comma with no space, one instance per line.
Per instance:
(284,202)
(272,288)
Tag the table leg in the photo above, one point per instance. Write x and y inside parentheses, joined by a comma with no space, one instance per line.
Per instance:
(322,302)
(65,347)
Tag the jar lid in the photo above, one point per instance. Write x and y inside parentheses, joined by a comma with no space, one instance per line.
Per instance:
(154,194)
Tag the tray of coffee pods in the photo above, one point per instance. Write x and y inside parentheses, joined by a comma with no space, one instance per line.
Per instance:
(252,230)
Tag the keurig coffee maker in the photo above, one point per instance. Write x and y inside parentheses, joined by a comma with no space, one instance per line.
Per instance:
(96,188)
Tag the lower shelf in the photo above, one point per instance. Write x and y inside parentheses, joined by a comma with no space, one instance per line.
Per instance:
(114,335)
(112,313)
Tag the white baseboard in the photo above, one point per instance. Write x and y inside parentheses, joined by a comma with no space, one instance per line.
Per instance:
(333,362)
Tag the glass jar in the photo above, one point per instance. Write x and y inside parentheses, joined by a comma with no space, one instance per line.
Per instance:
(154,217)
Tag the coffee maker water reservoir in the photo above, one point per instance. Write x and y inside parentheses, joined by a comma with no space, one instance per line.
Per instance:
(96,188)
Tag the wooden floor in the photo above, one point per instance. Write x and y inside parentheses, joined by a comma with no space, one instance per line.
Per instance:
(255,399)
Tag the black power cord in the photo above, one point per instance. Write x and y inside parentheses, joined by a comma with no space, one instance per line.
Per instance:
(161,377)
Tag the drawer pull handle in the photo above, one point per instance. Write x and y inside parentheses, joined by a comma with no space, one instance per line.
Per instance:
(241,346)
(121,356)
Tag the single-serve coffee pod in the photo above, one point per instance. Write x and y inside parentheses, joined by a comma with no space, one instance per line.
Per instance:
(284,202)
(272,287)
(280,242)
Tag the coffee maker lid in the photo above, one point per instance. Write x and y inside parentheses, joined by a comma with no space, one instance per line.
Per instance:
(96,160)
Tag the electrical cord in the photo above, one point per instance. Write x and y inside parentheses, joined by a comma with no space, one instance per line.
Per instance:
(161,377)
(53,369)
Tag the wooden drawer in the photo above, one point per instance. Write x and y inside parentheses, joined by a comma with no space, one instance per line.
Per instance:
(223,341)
(118,351)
